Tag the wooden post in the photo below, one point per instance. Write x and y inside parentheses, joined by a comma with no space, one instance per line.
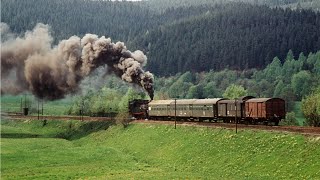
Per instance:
(25,100)
(82,109)
(175,113)
(38,109)
(21,106)
(42,107)
(235,107)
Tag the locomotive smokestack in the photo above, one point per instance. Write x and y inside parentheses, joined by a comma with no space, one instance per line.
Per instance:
(30,63)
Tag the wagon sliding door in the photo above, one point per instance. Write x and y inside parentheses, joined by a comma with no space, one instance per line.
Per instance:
(259,109)
(262,109)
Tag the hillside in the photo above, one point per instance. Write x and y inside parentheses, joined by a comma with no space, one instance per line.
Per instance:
(64,150)
(162,5)
(196,36)
(76,17)
(237,36)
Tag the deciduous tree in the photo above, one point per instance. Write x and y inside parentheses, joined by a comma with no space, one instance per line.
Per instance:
(234,91)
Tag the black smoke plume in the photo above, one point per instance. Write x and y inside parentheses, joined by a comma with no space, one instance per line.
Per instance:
(30,63)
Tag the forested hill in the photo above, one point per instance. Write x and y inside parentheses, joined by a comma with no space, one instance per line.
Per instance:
(195,35)
(121,21)
(162,5)
(236,36)
(76,17)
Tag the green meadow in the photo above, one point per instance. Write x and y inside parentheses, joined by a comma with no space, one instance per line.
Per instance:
(100,150)
(11,103)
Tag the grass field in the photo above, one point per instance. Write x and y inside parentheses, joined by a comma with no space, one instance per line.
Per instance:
(11,103)
(96,150)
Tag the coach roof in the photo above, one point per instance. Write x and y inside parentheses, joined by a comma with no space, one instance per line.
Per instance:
(161,102)
(184,101)
(207,101)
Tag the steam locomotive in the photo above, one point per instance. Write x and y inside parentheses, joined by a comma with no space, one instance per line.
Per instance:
(247,109)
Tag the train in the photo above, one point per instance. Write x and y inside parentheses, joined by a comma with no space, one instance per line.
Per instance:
(246,109)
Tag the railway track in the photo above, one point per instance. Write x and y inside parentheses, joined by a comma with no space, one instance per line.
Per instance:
(79,118)
(294,129)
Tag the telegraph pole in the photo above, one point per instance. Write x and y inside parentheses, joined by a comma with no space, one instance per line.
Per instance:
(235,107)
(175,113)
(25,100)
(42,107)
(38,109)
(82,109)
(21,106)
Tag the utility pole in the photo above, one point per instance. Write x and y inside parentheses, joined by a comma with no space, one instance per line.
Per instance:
(25,100)
(21,106)
(235,107)
(42,107)
(25,109)
(38,109)
(82,109)
(175,113)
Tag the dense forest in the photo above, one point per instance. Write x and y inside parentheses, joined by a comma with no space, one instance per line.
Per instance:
(241,36)
(162,5)
(193,37)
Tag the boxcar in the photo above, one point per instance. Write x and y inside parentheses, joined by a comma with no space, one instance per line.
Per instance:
(229,109)
(206,109)
(265,109)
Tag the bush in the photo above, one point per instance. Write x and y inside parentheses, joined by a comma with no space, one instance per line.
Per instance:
(123,119)
(311,108)
(290,119)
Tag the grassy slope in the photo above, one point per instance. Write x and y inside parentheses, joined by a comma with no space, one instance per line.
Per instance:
(153,152)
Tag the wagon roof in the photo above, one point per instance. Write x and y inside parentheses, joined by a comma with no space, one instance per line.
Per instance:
(262,99)
(229,101)
(207,101)
(244,98)
(161,102)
